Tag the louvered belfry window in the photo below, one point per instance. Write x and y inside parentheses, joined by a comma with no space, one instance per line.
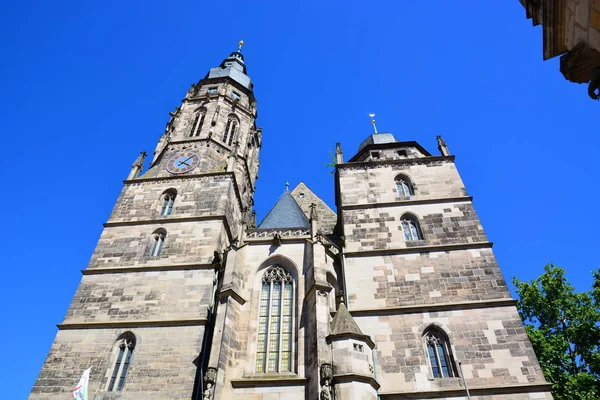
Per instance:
(275,321)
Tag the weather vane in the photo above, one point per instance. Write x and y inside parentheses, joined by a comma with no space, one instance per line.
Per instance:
(287,185)
(240,44)
(373,122)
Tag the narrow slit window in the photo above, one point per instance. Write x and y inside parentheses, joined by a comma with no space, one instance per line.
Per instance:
(158,240)
(168,202)
(197,125)
(439,354)
(125,346)
(404,187)
(410,228)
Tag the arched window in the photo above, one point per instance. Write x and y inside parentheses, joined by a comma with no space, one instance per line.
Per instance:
(230,130)
(198,122)
(439,353)
(410,228)
(168,201)
(125,345)
(403,186)
(275,320)
(158,241)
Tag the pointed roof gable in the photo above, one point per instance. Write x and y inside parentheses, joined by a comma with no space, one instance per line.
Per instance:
(344,323)
(286,213)
(343,327)
(305,197)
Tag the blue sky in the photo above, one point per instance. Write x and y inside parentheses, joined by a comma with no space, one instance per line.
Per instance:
(87,85)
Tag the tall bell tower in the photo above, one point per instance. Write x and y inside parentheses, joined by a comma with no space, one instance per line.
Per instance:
(147,293)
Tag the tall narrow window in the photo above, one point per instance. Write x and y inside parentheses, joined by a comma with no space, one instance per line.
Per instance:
(168,201)
(410,228)
(275,322)
(158,241)
(403,186)
(124,351)
(198,122)
(230,131)
(439,354)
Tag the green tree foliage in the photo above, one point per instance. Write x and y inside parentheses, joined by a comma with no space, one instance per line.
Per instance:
(564,329)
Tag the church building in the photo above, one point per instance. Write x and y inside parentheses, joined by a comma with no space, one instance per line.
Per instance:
(395,294)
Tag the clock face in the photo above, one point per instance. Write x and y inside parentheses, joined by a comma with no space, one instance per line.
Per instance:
(183,162)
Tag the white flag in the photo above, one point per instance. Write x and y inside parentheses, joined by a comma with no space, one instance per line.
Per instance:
(81,391)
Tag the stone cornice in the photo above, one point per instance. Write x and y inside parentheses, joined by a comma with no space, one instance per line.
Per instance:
(163,221)
(131,324)
(147,268)
(230,292)
(434,307)
(473,390)
(408,202)
(419,249)
(354,378)
(387,163)
(188,177)
(172,220)
(350,335)
(318,286)
(271,380)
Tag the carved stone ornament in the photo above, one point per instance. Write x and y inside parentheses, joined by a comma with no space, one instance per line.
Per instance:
(326,391)
(326,372)
(211,375)
(277,274)
(277,240)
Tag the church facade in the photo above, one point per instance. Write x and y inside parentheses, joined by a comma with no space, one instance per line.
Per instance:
(394,295)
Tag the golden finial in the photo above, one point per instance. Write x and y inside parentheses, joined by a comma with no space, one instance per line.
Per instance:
(373,122)
(240,45)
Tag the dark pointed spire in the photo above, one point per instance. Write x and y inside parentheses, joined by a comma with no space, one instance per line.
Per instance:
(233,67)
(286,213)
(343,323)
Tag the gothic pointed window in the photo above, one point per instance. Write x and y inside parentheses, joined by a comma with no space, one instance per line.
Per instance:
(124,347)
(198,122)
(404,187)
(439,353)
(167,202)
(275,322)
(410,227)
(158,242)
(230,130)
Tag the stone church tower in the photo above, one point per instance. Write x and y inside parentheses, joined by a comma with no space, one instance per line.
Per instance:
(395,296)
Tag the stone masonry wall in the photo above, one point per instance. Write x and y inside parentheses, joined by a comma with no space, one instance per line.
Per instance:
(160,295)
(440,224)
(202,196)
(432,180)
(379,282)
(491,343)
(583,19)
(185,243)
(162,365)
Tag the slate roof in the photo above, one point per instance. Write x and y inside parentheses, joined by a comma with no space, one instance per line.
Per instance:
(286,213)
